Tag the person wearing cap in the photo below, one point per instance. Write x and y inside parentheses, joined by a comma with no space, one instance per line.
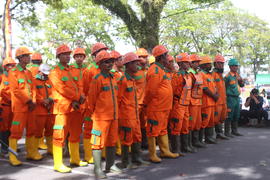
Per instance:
(67,98)
(129,122)
(233,82)
(179,116)
(195,107)
(158,103)
(43,111)
(103,106)
(36,60)
(22,105)
(209,99)
(140,78)
(5,103)
(221,105)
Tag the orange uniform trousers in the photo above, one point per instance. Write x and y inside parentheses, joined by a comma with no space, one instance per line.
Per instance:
(220,113)
(208,117)
(69,123)
(20,121)
(142,115)
(157,122)
(6,118)
(130,131)
(179,119)
(87,126)
(104,134)
(195,113)
(44,122)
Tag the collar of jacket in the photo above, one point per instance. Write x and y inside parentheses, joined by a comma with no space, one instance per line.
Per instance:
(5,72)
(19,67)
(77,66)
(35,65)
(106,75)
(128,76)
(205,72)
(61,66)
(160,65)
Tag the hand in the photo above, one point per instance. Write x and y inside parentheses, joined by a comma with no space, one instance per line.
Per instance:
(82,99)
(31,105)
(75,105)
(46,102)
(216,97)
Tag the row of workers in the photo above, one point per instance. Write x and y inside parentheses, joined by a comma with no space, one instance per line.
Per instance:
(111,104)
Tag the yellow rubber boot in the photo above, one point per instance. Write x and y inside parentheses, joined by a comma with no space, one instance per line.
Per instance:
(49,144)
(12,158)
(75,155)
(88,157)
(41,144)
(163,142)
(32,149)
(58,160)
(103,155)
(152,150)
(118,148)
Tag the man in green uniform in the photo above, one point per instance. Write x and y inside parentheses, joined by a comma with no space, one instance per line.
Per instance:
(233,82)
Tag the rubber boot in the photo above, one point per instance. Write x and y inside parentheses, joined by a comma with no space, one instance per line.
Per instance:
(125,160)
(176,144)
(152,150)
(49,145)
(118,148)
(144,139)
(110,158)
(75,155)
(4,143)
(193,149)
(32,149)
(58,160)
(235,129)
(12,158)
(209,133)
(227,127)
(163,143)
(195,140)
(97,164)
(41,144)
(201,136)
(88,151)
(219,132)
(185,144)
(103,152)
(136,154)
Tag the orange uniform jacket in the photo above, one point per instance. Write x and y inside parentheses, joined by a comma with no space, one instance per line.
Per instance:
(44,91)
(34,68)
(221,89)
(208,83)
(197,88)
(65,89)
(158,91)
(22,89)
(77,74)
(5,90)
(102,97)
(127,98)
(88,74)
(140,78)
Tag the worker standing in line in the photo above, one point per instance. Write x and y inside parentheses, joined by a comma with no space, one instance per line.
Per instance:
(5,101)
(221,104)
(23,98)
(233,82)
(68,99)
(103,107)
(44,106)
(158,102)
(209,99)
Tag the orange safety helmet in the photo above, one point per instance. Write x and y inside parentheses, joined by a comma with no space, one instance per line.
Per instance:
(8,60)
(159,50)
(194,57)
(170,57)
(22,51)
(205,60)
(219,58)
(36,57)
(142,52)
(129,57)
(62,49)
(98,46)
(115,54)
(79,51)
(183,57)
(102,55)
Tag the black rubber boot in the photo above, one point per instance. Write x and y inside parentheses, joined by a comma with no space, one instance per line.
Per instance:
(209,132)
(235,129)
(176,144)
(219,132)
(97,165)
(144,144)
(4,143)
(193,149)
(195,140)
(126,162)
(227,127)
(201,136)
(136,155)
(184,141)
(110,158)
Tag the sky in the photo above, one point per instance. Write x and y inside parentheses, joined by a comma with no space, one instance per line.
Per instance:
(259,8)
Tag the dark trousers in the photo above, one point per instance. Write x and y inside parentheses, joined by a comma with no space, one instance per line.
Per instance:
(259,114)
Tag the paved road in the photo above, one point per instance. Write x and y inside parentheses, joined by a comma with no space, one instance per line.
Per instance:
(240,158)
